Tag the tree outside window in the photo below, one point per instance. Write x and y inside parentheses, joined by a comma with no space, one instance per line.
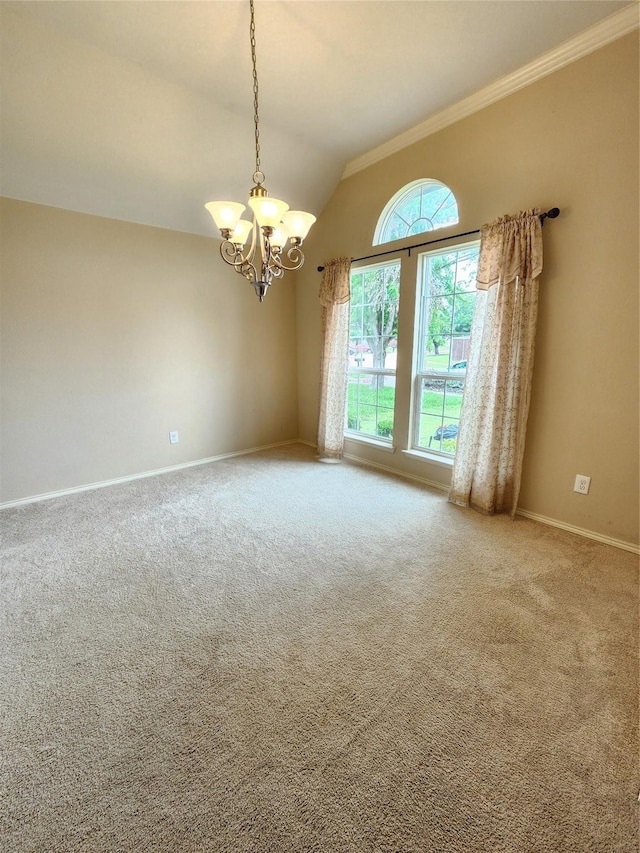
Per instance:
(375,293)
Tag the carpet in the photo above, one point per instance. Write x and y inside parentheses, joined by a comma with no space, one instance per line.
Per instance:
(268,654)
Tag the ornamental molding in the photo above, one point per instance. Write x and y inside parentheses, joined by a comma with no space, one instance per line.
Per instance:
(614,27)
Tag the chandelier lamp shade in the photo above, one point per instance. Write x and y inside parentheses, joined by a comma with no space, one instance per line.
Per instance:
(266,246)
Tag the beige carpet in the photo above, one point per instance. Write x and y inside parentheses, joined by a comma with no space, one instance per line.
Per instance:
(270,654)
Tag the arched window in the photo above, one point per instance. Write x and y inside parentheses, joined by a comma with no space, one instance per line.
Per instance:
(420,206)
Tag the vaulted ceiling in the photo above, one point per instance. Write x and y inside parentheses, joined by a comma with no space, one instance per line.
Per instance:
(144,110)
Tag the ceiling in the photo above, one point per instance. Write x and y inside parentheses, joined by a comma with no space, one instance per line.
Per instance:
(144,110)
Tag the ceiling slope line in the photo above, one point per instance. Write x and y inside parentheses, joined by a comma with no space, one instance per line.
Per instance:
(614,27)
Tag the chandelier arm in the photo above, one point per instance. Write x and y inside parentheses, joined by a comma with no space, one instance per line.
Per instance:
(250,251)
(242,264)
(294,254)
(273,264)
(249,271)
(273,272)
(238,255)
(269,271)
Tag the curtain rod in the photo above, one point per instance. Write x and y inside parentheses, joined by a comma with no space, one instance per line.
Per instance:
(550,214)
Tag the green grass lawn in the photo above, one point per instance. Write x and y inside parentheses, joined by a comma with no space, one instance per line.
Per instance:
(370,411)
(437,362)
(434,415)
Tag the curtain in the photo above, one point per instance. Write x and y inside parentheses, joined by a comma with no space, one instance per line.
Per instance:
(335,291)
(487,469)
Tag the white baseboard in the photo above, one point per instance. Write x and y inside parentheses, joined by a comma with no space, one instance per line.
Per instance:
(118,480)
(581,531)
(543,519)
(422,480)
(387,470)
(534,516)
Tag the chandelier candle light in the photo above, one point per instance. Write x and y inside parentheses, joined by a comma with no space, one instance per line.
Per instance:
(273,231)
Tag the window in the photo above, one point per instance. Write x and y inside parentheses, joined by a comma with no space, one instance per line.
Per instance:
(420,206)
(445,299)
(447,296)
(373,340)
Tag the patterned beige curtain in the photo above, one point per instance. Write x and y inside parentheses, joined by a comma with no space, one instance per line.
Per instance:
(335,293)
(493,421)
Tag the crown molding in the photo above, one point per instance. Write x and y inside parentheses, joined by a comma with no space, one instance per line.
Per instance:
(614,27)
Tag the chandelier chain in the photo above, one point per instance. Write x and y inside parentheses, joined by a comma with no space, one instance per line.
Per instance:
(256,119)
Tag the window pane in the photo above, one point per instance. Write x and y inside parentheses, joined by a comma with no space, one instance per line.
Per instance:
(428,426)
(432,397)
(376,355)
(444,208)
(372,344)
(370,404)
(467,269)
(440,403)
(437,325)
(386,391)
(370,312)
(357,289)
(463,312)
(409,207)
(396,229)
(447,305)
(458,353)
(359,352)
(436,434)
(418,207)
(355,324)
(372,279)
(436,353)
(420,226)
(384,427)
(386,401)
(440,274)
(453,398)
(379,319)
(390,354)
(367,419)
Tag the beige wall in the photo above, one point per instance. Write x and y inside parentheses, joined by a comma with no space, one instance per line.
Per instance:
(113,334)
(570,140)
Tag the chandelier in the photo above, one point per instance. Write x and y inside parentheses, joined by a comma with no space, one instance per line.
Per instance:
(264,248)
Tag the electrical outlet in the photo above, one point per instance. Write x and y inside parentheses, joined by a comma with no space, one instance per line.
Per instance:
(582,484)
(173,437)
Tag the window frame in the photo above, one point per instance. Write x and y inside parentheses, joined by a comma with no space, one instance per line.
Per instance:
(418,374)
(357,435)
(354,433)
(396,202)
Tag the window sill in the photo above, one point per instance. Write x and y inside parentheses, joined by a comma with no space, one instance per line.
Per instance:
(425,456)
(370,442)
